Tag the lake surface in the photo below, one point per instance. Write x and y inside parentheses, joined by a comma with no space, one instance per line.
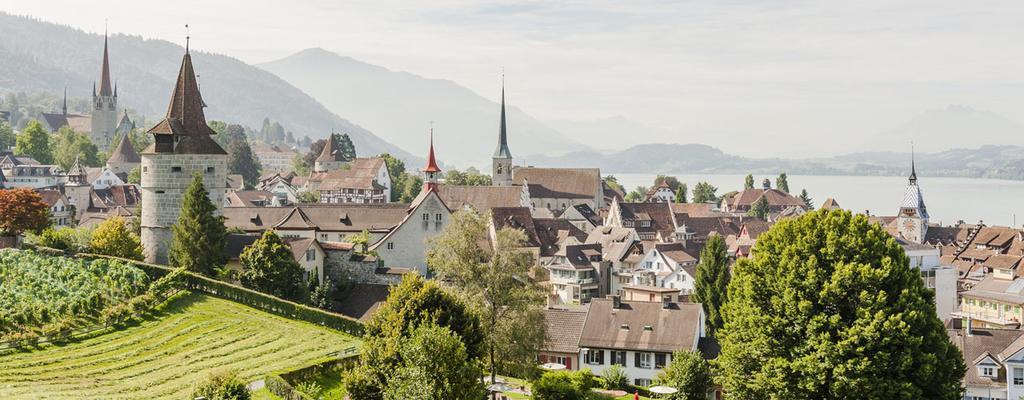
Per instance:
(996,202)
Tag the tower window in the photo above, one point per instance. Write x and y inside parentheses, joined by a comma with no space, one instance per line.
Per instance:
(175,169)
(209,170)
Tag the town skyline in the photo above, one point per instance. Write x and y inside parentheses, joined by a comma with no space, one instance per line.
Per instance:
(721,75)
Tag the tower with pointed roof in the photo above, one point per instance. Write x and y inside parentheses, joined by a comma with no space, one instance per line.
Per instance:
(330,157)
(912,221)
(182,146)
(124,158)
(104,106)
(501,161)
(431,172)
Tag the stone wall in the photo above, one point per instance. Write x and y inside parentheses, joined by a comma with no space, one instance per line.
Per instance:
(340,266)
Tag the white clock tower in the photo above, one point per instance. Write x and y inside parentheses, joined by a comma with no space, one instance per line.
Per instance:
(913,217)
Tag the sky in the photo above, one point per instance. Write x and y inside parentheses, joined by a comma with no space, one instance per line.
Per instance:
(753,76)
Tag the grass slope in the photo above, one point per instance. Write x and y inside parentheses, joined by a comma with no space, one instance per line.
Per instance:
(163,356)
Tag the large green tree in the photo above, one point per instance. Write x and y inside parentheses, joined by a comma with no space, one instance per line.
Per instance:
(782,182)
(346,147)
(689,373)
(435,365)
(199,237)
(68,146)
(413,302)
(242,161)
(471,177)
(268,266)
(34,142)
(496,280)
(829,308)
(411,187)
(703,192)
(712,281)
(114,238)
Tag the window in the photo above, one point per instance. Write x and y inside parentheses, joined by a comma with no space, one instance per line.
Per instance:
(659,360)
(1018,376)
(311,255)
(426,216)
(988,371)
(619,358)
(643,360)
(437,217)
(595,357)
(642,382)
(175,169)
(209,170)
(391,245)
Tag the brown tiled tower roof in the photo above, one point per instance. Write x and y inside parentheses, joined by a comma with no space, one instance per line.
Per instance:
(124,152)
(184,129)
(331,151)
(105,87)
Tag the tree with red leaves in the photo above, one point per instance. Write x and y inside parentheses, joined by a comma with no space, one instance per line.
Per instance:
(22,210)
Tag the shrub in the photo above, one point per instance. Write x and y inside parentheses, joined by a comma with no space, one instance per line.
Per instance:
(614,377)
(564,385)
(221,385)
(60,238)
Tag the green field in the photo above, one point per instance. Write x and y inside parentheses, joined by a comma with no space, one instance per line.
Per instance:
(163,356)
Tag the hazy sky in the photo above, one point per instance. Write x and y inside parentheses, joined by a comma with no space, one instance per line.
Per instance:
(751,75)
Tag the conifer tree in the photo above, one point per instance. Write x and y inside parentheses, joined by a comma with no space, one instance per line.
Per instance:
(242,161)
(681,193)
(347,149)
(782,182)
(712,281)
(748,182)
(807,199)
(199,236)
(760,208)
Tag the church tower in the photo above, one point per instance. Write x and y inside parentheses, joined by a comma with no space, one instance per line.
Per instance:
(431,172)
(104,106)
(183,145)
(501,162)
(913,217)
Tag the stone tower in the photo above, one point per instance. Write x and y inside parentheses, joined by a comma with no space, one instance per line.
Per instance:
(77,188)
(182,146)
(913,217)
(431,172)
(104,106)
(330,157)
(501,162)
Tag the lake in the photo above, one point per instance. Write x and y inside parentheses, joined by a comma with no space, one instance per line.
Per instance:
(994,201)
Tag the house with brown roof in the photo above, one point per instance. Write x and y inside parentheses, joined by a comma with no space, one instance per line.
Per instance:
(578,274)
(667,265)
(583,217)
(564,327)
(362,180)
(662,193)
(544,236)
(124,158)
(484,198)
(651,221)
(61,212)
(997,300)
(639,336)
(994,360)
(273,158)
(32,176)
(325,222)
(251,198)
(308,253)
(778,201)
(557,189)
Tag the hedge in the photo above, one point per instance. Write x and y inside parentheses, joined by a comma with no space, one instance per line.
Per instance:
(280,383)
(249,297)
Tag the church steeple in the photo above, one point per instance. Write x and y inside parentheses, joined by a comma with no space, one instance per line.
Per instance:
(105,87)
(501,162)
(913,169)
(912,221)
(104,104)
(431,171)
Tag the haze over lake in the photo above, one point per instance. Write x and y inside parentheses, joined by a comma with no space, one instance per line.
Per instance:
(993,201)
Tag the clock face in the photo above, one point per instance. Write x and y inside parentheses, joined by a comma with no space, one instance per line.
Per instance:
(909,225)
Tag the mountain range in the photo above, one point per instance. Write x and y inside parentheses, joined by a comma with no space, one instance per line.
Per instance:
(41,56)
(398,107)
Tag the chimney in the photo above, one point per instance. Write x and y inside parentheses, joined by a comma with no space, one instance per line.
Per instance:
(616,302)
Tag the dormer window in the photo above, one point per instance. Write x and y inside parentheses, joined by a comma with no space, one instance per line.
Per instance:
(987,371)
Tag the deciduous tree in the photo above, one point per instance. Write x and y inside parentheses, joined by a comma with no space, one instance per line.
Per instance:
(22,210)
(829,308)
(114,238)
(269,267)
(34,142)
(412,185)
(689,373)
(435,365)
(496,281)
(199,236)
(703,192)
(712,281)
(69,146)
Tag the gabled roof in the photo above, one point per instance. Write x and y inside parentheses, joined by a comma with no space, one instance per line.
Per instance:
(672,328)
(327,217)
(360,173)
(560,183)
(676,252)
(250,198)
(830,204)
(185,120)
(124,152)
(552,232)
(481,198)
(564,327)
(982,343)
(116,196)
(296,219)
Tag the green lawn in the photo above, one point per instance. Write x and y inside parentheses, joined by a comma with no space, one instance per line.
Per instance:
(163,356)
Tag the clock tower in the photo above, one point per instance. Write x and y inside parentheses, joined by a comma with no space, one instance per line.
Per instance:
(912,221)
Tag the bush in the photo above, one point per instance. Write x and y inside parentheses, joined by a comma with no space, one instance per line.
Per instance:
(614,377)
(60,239)
(564,385)
(221,385)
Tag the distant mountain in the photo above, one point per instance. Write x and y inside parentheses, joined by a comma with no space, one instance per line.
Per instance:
(952,127)
(605,133)
(398,106)
(41,56)
(1003,162)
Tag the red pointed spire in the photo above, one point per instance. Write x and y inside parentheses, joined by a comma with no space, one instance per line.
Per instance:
(105,89)
(431,163)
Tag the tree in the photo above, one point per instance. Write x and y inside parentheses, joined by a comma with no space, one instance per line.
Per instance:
(614,378)
(748,182)
(242,161)
(673,182)
(612,182)
(712,281)
(135,175)
(396,169)
(472,177)
(310,196)
(497,284)
(299,165)
(199,237)
(321,293)
(689,373)
(703,192)
(268,266)
(22,210)
(564,385)
(807,199)
(347,149)
(221,385)
(828,307)
(114,238)
(360,241)
(7,138)
(412,185)
(222,132)
(782,183)
(435,365)
(34,142)
(637,195)
(760,208)
(414,302)
(681,193)
(69,146)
